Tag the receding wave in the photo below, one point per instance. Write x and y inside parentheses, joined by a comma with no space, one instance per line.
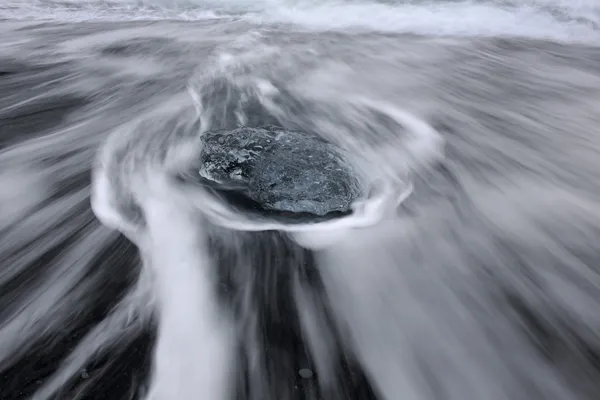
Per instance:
(464,267)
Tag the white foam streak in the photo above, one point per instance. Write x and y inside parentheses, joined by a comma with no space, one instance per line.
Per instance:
(20,191)
(355,280)
(103,206)
(192,356)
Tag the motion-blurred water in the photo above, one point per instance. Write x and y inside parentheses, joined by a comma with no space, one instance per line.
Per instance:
(472,274)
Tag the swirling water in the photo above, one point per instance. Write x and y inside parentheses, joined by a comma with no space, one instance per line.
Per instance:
(471,272)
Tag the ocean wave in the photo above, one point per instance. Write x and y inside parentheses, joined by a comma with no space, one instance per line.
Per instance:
(545,19)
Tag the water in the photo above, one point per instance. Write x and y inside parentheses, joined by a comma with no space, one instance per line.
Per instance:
(468,272)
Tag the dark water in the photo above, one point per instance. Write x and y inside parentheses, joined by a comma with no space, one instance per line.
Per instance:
(482,284)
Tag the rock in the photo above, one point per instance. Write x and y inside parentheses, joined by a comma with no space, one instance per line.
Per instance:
(306,373)
(281,170)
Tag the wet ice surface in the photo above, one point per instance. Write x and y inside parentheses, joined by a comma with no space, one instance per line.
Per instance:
(280,170)
(482,283)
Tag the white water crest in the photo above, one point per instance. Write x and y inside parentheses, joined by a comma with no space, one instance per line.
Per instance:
(545,19)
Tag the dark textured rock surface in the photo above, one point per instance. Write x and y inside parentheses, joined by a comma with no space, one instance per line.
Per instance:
(281,170)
